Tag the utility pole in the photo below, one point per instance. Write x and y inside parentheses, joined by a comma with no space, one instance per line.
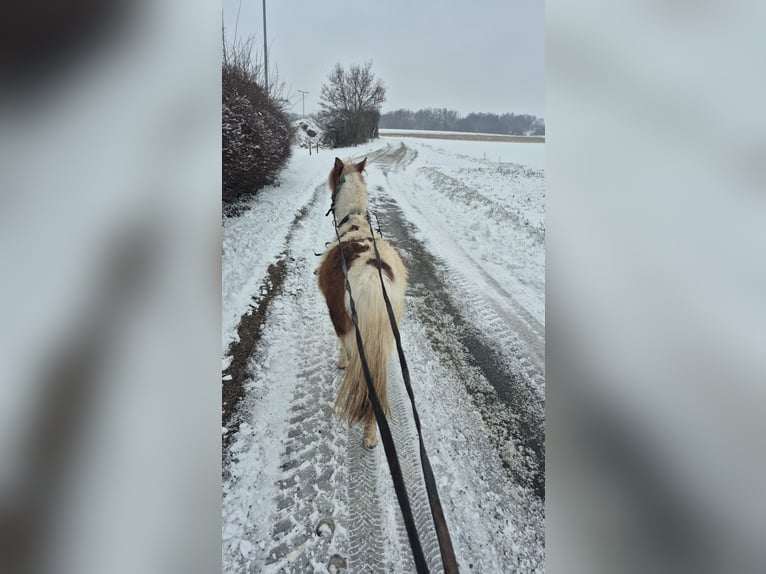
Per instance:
(265,49)
(304,92)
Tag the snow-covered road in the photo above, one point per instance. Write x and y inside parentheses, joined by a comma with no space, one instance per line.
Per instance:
(472,231)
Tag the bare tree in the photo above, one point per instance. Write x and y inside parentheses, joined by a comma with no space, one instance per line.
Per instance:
(350,104)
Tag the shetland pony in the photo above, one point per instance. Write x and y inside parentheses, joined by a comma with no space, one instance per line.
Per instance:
(349,198)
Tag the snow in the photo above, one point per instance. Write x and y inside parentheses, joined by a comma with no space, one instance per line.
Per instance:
(528,154)
(302,129)
(476,210)
(483,223)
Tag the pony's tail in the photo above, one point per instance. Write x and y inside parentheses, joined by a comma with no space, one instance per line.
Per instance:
(352,402)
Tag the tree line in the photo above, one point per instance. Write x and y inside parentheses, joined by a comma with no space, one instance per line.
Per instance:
(442,119)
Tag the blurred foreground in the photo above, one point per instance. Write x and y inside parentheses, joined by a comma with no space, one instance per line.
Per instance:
(656,316)
(109,241)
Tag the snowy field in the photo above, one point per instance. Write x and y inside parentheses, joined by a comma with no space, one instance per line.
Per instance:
(386,131)
(469,219)
(527,154)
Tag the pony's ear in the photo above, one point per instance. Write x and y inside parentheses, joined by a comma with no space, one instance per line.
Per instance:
(338,169)
(360,166)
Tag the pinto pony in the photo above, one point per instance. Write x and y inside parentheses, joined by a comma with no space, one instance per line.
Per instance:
(349,200)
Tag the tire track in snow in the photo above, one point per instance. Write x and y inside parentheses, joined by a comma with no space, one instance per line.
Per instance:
(520,233)
(512,402)
(458,192)
(312,487)
(363,483)
(313,484)
(249,330)
(521,354)
(390,158)
(512,318)
(367,545)
(496,524)
(321,470)
(322,475)
(407,447)
(305,483)
(405,438)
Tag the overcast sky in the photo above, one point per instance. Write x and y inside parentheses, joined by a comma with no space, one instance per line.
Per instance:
(471,56)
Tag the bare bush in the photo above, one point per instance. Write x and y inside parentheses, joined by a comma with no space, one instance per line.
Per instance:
(255,130)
